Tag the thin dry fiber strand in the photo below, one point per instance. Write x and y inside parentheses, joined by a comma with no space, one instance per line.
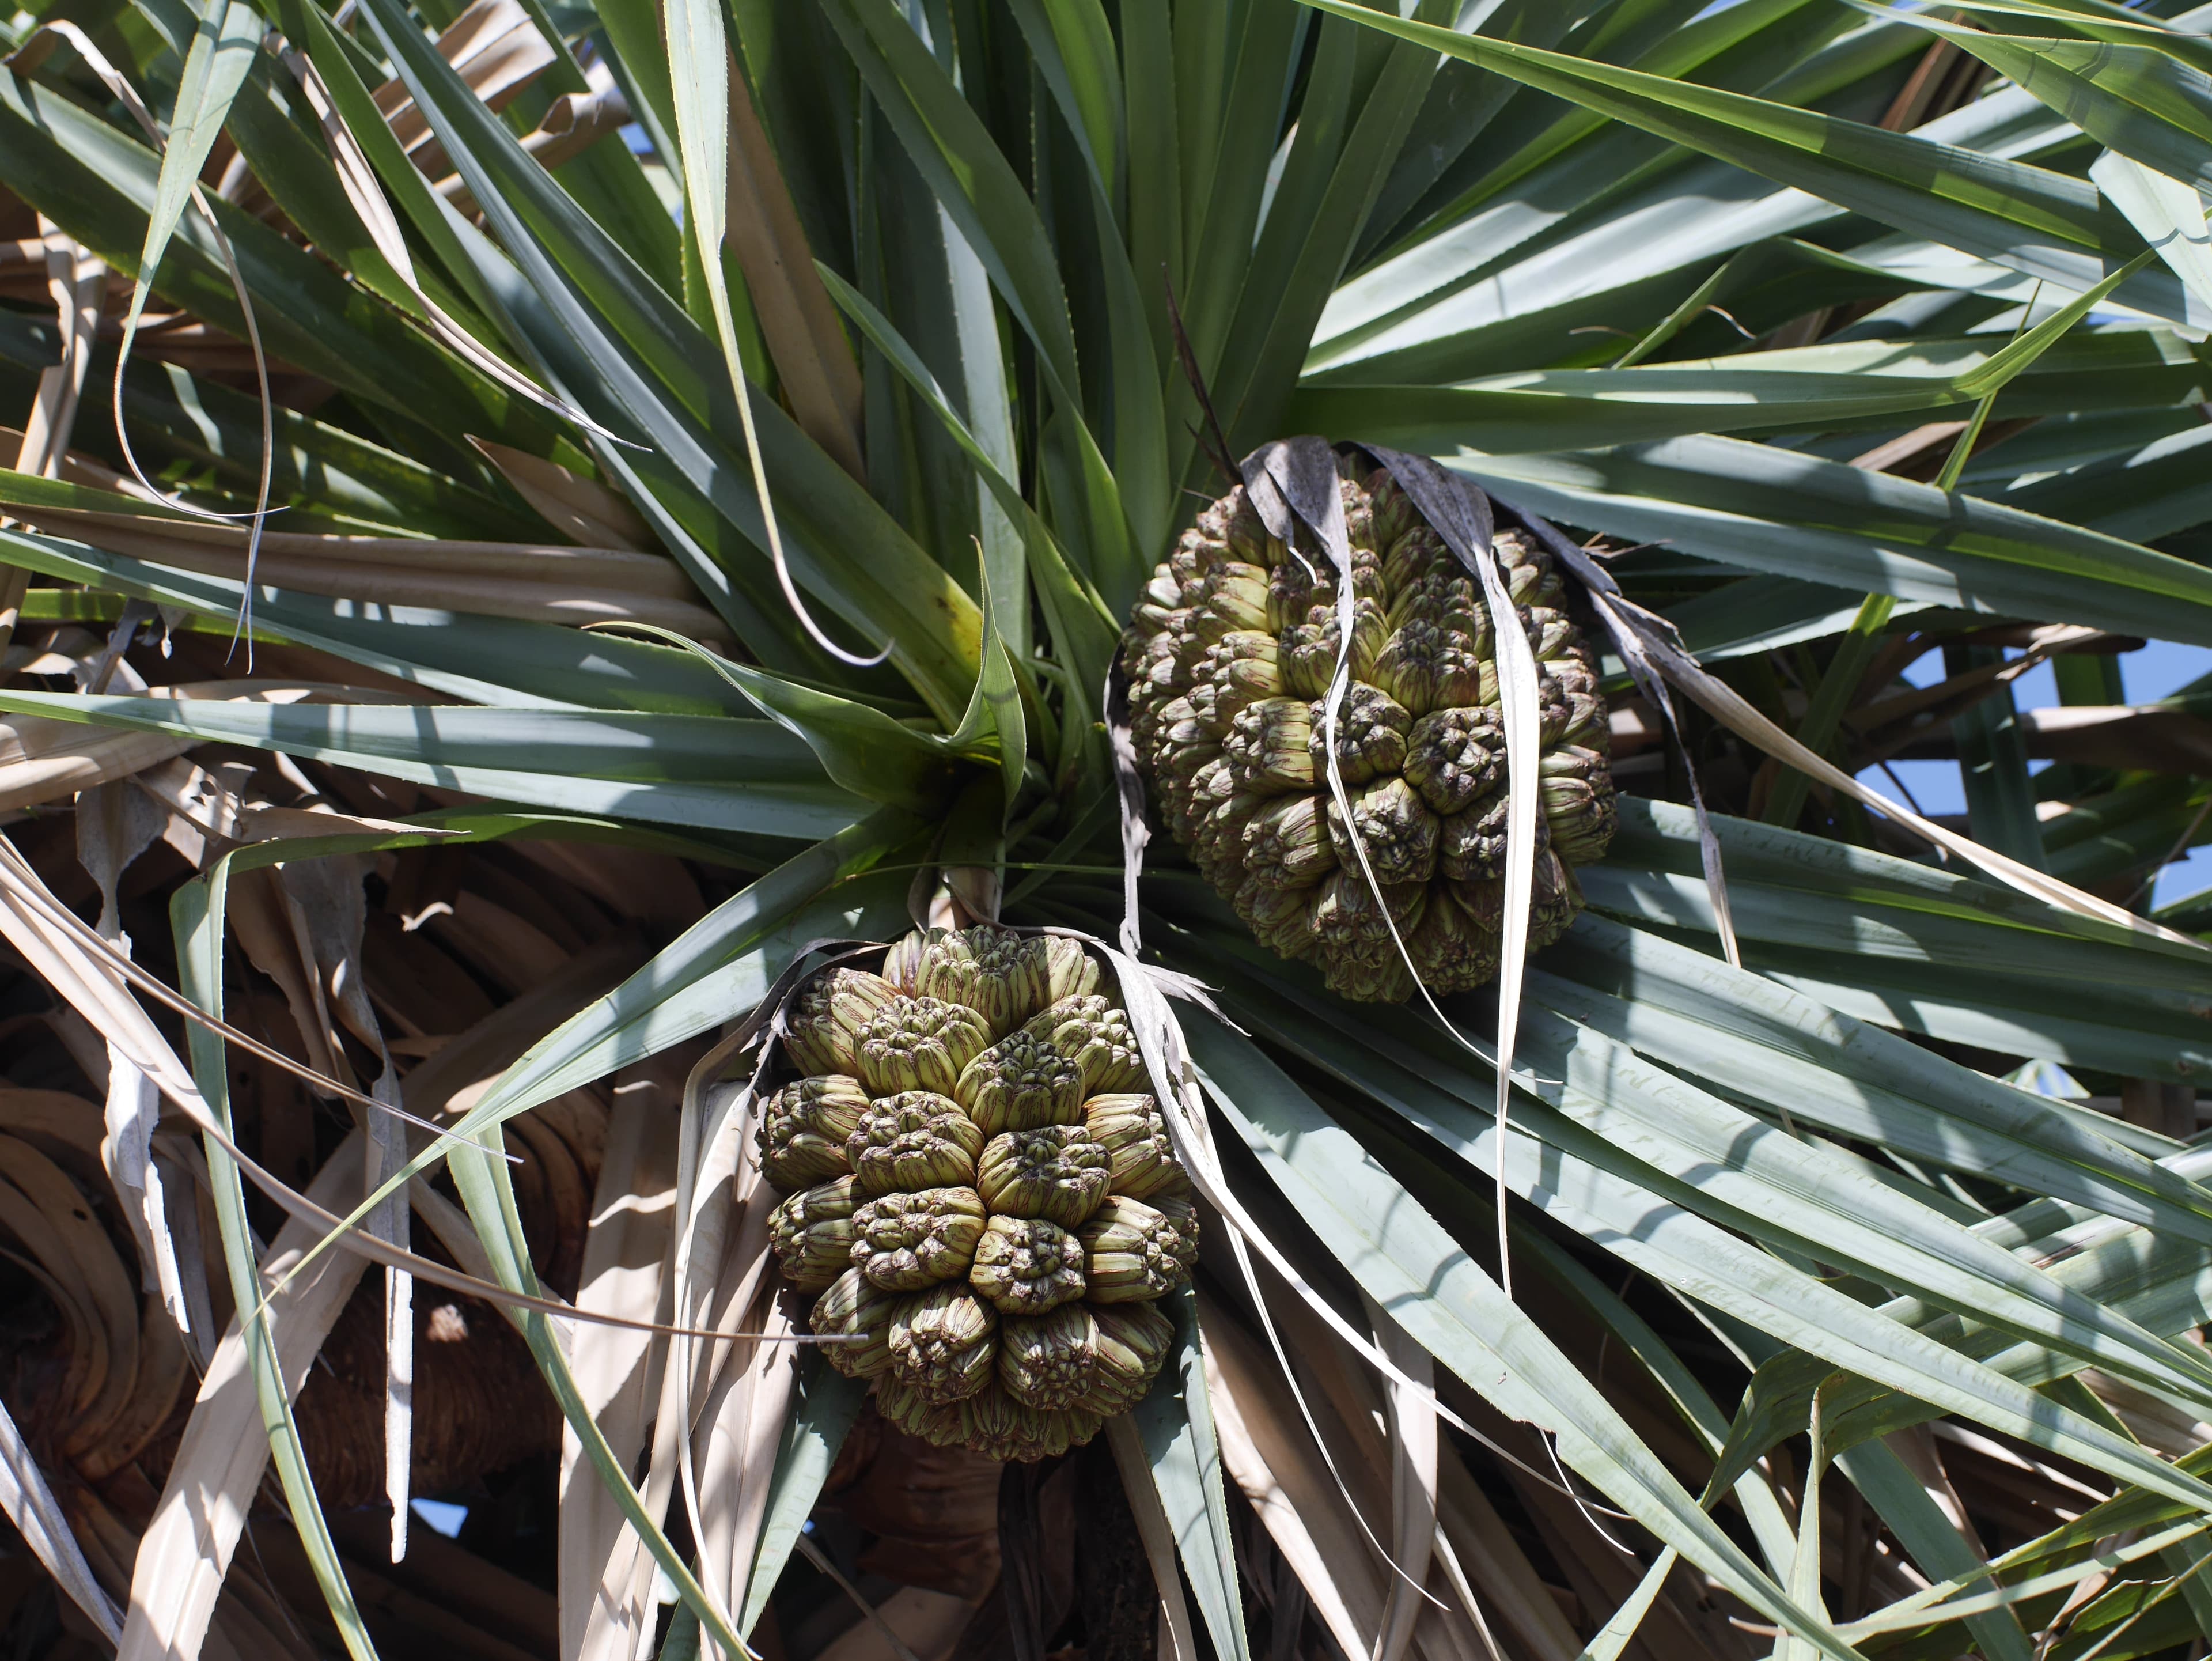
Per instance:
(1145,992)
(1281,1474)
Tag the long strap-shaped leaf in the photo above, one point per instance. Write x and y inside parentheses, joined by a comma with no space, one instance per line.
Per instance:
(1414,1479)
(2138,97)
(1176,1082)
(1082,627)
(720,1234)
(197,914)
(980,192)
(434,648)
(859,746)
(1805,1569)
(227,34)
(1924,1529)
(994,707)
(1655,1135)
(1635,642)
(1568,1164)
(812,358)
(1406,1261)
(2168,215)
(214,68)
(1183,1448)
(828,1403)
(78,281)
(169,1612)
(489,1195)
(602,330)
(703,68)
(1768,1044)
(1171,1463)
(1073,46)
(1462,518)
(92,975)
(514,755)
(1728,706)
(2023,218)
(29,1501)
(1142,1480)
(358,178)
(66,954)
(1620,1626)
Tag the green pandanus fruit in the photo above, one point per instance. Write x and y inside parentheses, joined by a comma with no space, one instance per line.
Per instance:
(1229,653)
(984,1202)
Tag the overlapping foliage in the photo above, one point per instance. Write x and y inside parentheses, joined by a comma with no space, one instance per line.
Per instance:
(1814,1327)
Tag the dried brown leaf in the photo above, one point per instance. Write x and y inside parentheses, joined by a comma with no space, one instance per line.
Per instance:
(593,515)
(607,1611)
(813,359)
(187,1549)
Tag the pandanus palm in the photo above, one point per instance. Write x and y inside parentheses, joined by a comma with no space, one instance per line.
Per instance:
(742,594)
